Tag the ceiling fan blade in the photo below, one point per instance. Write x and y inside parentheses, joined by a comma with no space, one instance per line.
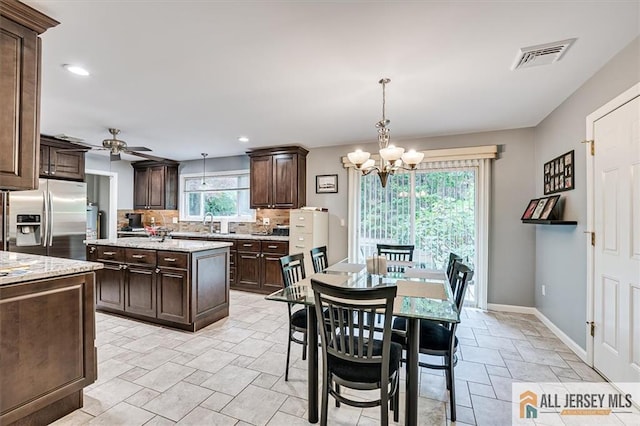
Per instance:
(147,156)
(114,157)
(137,148)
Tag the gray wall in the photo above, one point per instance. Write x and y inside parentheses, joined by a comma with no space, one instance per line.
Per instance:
(561,252)
(511,245)
(125,176)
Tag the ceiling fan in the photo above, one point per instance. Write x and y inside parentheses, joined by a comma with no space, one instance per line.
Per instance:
(116,146)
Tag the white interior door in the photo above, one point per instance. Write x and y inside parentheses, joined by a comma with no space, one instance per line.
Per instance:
(616,257)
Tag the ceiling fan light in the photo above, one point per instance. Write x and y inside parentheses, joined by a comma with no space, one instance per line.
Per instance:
(358,157)
(391,153)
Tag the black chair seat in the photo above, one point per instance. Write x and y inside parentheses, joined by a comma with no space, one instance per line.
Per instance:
(299,318)
(356,372)
(433,336)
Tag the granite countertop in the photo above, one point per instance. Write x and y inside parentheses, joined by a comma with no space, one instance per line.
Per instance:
(20,267)
(168,244)
(215,236)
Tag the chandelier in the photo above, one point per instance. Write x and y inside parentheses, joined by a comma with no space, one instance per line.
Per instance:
(391,157)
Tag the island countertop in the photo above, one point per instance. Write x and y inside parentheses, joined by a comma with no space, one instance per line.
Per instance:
(21,267)
(189,246)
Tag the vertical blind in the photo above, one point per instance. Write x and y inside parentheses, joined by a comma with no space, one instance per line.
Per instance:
(433,208)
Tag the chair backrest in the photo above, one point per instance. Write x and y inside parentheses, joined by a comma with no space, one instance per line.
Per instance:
(292,268)
(346,333)
(319,259)
(453,259)
(396,252)
(462,274)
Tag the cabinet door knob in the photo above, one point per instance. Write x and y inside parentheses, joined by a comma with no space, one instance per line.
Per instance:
(157,270)
(257,254)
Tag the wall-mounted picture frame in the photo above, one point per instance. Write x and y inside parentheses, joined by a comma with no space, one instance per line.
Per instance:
(326,184)
(558,174)
(547,212)
(539,208)
(530,208)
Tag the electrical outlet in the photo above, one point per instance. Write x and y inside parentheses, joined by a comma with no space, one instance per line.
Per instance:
(175,220)
(544,290)
(266,221)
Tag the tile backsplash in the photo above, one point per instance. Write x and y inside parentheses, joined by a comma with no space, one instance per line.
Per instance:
(165,218)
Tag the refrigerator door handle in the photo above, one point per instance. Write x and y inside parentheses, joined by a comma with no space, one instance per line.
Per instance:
(50,227)
(45,224)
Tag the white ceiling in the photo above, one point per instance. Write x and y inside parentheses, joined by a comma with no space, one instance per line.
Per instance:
(185,77)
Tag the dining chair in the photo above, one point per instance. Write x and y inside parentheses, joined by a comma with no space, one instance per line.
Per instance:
(352,355)
(396,252)
(439,339)
(453,259)
(319,259)
(292,267)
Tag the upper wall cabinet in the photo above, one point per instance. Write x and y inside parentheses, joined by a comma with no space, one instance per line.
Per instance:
(59,160)
(155,185)
(278,177)
(20,26)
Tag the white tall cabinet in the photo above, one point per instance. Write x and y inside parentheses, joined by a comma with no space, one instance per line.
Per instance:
(308,229)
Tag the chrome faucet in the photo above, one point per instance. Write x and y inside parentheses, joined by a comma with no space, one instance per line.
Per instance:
(204,221)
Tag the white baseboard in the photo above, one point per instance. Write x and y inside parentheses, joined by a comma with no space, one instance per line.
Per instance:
(512,308)
(581,353)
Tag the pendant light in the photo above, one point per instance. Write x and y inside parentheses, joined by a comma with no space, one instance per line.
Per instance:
(204,156)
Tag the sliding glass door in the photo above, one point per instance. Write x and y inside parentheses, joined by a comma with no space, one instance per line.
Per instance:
(434,208)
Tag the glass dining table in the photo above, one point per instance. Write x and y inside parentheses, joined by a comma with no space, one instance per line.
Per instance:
(419,296)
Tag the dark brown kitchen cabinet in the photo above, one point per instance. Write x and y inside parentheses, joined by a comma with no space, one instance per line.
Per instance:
(20,50)
(60,160)
(155,185)
(110,279)
(178,289)
(173,295)
(278,177)
(258,268)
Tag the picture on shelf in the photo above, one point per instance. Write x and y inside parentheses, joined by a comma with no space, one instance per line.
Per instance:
(530,208)
(548,208)
(558,174)
(539,208)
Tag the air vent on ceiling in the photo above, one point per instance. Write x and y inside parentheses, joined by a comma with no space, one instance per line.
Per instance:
(542,54)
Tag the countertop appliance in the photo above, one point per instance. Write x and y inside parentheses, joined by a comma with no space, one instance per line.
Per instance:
(135,222)
(49,221)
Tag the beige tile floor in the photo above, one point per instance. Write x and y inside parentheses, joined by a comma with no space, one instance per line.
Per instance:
(232,372)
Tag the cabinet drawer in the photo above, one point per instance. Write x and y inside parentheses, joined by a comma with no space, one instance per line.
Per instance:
(110,254)
(252,246)
(276,247)
(140,256)
(301,246)
(173,260)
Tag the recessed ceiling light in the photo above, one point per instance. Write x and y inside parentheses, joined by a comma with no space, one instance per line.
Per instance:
(75,69)
(243,139)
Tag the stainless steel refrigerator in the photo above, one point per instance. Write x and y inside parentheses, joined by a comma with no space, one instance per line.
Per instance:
(49,221)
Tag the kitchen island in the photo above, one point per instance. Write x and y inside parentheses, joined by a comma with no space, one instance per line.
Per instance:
(178,283)
(47,336)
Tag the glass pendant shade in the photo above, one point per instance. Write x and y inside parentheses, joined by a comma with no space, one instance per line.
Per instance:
(412,158)
(391,153)
(358,157)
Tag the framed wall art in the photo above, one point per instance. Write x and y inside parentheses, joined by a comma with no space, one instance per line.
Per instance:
(326,184)
(558,174)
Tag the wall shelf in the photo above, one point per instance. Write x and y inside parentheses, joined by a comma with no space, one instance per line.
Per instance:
(550,222)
